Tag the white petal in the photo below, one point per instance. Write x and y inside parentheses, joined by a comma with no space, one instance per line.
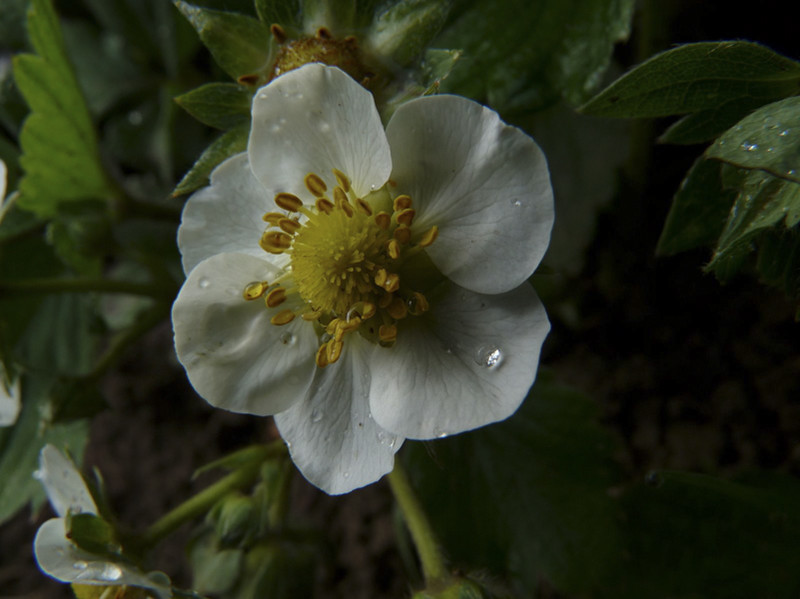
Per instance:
(224,217)
(59,558)
(315,119)
(235,358)
(10,404)
(331,434)
(3,181)
(63,484)
(468,362)
(484,183)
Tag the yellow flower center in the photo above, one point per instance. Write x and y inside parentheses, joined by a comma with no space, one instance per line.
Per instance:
(346,258)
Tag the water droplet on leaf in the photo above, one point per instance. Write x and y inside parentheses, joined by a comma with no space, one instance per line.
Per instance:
(749,147)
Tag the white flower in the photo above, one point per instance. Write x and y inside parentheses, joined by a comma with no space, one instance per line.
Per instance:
(388,294)
(57,556)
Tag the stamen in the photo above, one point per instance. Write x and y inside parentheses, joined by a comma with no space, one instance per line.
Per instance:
(324,205)
(289,225)
(401,203)
(322,356)
(387,333)
(315,185)
(365,208)
(342,179)
(278,33)
(406,217)
(275,242)
(429,237)
(344,205)
(255,290)
(334,350)
(383,220)
(276,297)
(385,300)
(418,304)
(288,201)
(397,309)
(283,317)
(402,234)
(393,249)
(312,315)
(273,218)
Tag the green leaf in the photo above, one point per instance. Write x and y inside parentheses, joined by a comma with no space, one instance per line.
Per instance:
(60,156)
(527,55)
(768,139)
(20,446)
(241,45)
(695,77)
(528,497)
(695,536)
(403,29)
(706,125)
(229,143)
(699,209)
(763,202)
(220,105)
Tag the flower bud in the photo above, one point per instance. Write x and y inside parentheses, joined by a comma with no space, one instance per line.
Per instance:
(233,520)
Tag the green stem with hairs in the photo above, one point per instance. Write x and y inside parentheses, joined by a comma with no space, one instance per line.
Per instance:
(433,566)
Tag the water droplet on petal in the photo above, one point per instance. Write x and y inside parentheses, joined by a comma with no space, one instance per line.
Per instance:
(288,339)
(316,415)
(80,565)
(110,572)
(516,203)
(203,283)
(490,357)
(275,128)
(439,433)
(346,474)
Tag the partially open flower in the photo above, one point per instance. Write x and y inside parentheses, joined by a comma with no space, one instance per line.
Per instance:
(388,296)
(60,557)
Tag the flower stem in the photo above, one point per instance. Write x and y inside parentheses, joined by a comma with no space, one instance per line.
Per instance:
(244,476)
(433,568)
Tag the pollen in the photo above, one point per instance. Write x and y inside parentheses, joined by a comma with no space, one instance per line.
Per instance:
(346,253)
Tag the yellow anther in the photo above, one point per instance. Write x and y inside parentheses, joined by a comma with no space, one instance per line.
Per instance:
(402,234)
(397,309)
(419,302)
(322,356)
(275,297)
(275,242)
(346,326)
(387,333)
(383,220)
(393,249)
(332,326)
(273,218)
(312,315)
(392,282)
(255,290)
(406,217)
(315,185)
(363,206)
(283,317)
(401,203)
(324,205)
(429,237)
(334,350)
(342,179)
(289,225)
(288,201)
(342,202)
(380,277)
(366,309)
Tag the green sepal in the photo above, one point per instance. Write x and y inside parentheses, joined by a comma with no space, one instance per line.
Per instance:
(60,155)
(241,45)
(233,518)
(219,105)
(768,140)
(402,30)
(93,534)
(229,143)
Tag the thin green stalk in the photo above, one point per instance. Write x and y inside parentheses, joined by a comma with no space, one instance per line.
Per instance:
(201,503)
(433,567)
